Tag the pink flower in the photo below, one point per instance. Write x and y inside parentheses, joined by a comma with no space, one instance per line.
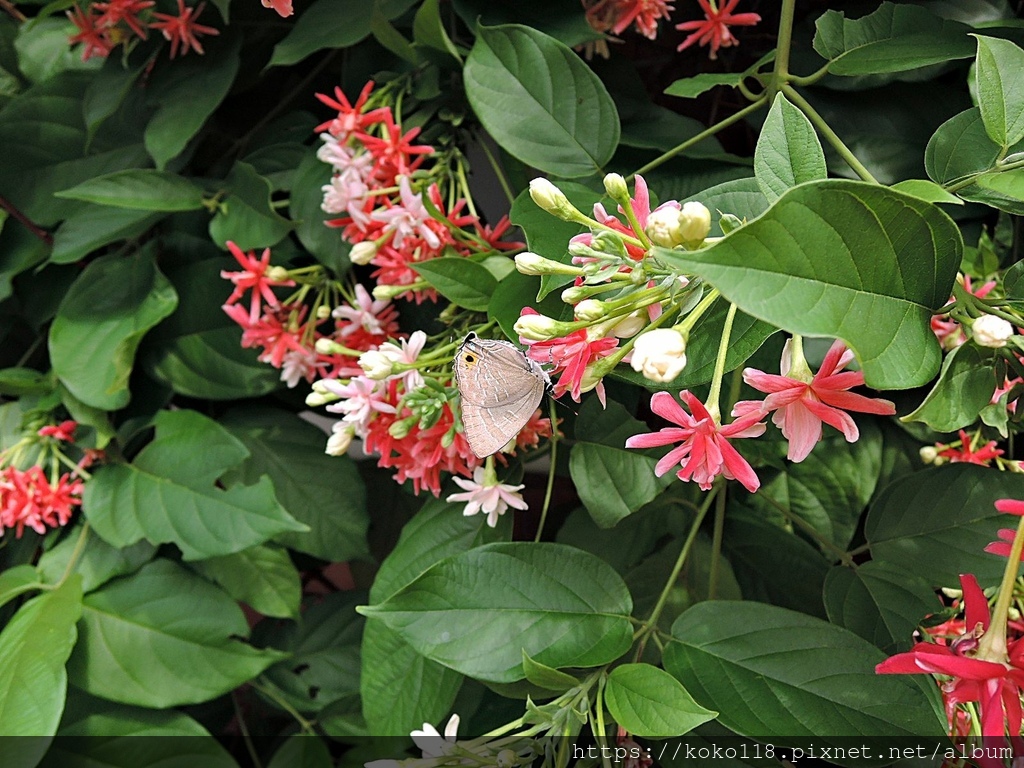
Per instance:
(705,452)
(182,30)
(641,202)
(65,431)
(714,28)
(362,400)
(801,406)
(28,500)
(405,353)
(367,323)
(408,219)
(491,499)
(127,11)
(283,7)
(570,355)
(253,277)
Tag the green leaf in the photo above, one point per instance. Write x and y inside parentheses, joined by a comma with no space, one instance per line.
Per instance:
(540,102)
(428,30)
(43,49)
(936,523)
(103,317)
(438,530)
(94,226)
(87,715)
(323,647)
(788,151)
(324,24)
(465,283)
(169,493)
(807,678)
(308,751)
(186,94)
(613,481)
(246,216)
(34,646)
(197,351)
(881,602)
(926,190)
(828,254)
(570,609)
(692,87)
(97,562)
(547,677)
(325,243)
(161,638)
(1000,90)
(965,386)
(18,580)
(323,492)
(1008,183)
(263,577)
(648,701)
(894,38)
(18,382)
(107,91)
(139,189)
(959,147)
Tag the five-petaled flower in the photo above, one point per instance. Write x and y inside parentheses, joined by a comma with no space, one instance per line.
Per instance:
(483,494)
(182,30)
(714,29)
(705,452)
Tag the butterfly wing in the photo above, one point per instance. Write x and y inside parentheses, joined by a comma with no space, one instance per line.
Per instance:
(500,390)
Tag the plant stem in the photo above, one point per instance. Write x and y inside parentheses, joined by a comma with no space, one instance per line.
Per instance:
(498,171)
(716,544)
(551,469)
(831,136)
(246,736)
(716,381)
(735,118)
(780,72)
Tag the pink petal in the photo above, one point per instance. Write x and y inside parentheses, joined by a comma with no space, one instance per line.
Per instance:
(1010,506)
(670,459)
(658,439)
(834,418)
(833,358)
(844,380)
(666,406)
(851,401)
(801,427)
(700,413)
(770,382)
(975,604)
(738,468)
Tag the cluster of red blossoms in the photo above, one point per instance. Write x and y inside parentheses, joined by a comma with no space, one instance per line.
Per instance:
(615,16)
(105,25)
(390,223)
(31,499)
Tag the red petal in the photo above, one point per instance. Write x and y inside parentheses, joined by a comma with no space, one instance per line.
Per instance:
(975,604)
(1010,506)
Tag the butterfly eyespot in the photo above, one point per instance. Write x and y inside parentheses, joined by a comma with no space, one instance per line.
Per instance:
(469,358)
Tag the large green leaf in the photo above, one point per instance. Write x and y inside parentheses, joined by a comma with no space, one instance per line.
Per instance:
(161,638)
(880,601)
(569,609)
(960,147)
(465,283)
(186,94)
(936,523)
(140,189)
(34,647)
(100,323)
(788,151)
(648,701)
(828,254)
(246,217)
(169,493)
(324,24)
(894,38)
(94,226)
(325,243)
(1000,90)
(389,662)
(96,562)
(965,386)
(197,351)
(613,481)
(323,492)
(540,102)
(798,676)
(263,577)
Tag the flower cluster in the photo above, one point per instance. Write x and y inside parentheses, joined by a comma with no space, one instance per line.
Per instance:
(102,26)
(391,207)
(980,657)
(47,491)
(616,16)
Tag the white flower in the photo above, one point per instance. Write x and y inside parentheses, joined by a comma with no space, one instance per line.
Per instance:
(340,439)
(296,365)
(991,331)
(590,310)
(363,253)
(406,354)
(408,219)
(492,500)
(432,743)
(631,324)
(660,355)
(344,159)
(663,227)
(694,223)
(538,327)
(549,197)
(365,314)
(361,401)
(376,365)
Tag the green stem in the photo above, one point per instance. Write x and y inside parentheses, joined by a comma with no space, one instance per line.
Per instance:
(698,312)
(844,557)
(712,403)
(810,79)
(498,171)
(76,554)
(246,736)
(831,136)
(735,118)
(993,643)
(780,72)
(652,622)
(716,545)
(551,469)
(600,730)
(271,693)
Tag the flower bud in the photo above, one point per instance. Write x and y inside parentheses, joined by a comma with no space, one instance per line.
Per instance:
(660,355)
(533,264)
(340,440)
(549,197)
(385,292)
(631,324)
(277,274)
(610,243)
(507,759)
(316,399)
(323,312)
(694,223)
(363,253)
(616,187)
(401,429)
(928,454)
(574,294)
(376,365)
(663,227)
(325,346)
(991,331)
(538,327)
(590,310)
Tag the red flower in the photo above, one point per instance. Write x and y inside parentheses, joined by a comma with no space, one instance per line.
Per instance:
(350,116)
(253,277)
(127,11)
(65,431)
(965,454)
(705,452)
(93,35)
(801,406)
(570,355)
(283,7)
(394,154)
(714,28)
(182,30)
(28,500)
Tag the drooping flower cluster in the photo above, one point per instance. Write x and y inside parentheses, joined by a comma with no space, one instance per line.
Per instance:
(102,26)
(390,207)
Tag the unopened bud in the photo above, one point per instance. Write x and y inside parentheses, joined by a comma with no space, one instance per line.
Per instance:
(549,197)
(928,454)
(325,346)
(728,223)
(616,187)
(376,365)
(590,310)
(694,223)
(991,331)
(316,399)
(340,440)
(363,253)
(663,227)
(401,429)
(631,325)
(660,355)
(277,274)
(538,327)
(507,758)
(323,312)
(534,264)
(574,294)
(385,292)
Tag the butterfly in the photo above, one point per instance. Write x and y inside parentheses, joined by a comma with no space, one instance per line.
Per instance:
(500,389)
